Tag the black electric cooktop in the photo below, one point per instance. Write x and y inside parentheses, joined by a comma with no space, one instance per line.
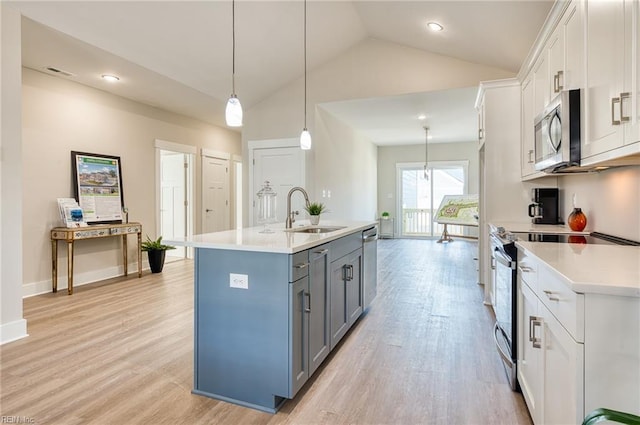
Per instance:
(592,238)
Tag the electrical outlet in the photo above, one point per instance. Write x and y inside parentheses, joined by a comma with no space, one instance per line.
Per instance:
(240,281)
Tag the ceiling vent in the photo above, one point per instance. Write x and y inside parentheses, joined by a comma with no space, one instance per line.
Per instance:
(57,71)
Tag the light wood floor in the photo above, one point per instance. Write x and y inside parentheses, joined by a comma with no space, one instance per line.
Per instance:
(121,352)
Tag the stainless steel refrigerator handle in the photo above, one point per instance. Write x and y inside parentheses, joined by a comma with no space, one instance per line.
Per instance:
(506,358)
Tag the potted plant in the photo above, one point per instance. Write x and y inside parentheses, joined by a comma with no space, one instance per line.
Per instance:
(156,251)
(385,215)
(315,209)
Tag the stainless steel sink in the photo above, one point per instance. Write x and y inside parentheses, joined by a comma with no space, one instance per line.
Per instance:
(317,229)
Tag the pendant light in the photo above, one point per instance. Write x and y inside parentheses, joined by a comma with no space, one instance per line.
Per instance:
(426,152)
(305,136)
(233,113)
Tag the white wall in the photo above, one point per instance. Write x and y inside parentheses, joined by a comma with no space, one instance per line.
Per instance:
(60,116)
(372,68)
(12,324)
(345,165)
(610,200)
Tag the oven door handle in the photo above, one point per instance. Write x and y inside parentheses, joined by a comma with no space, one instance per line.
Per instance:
(504,356)
(503,259)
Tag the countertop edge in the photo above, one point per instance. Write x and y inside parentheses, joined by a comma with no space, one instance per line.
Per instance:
(320,239)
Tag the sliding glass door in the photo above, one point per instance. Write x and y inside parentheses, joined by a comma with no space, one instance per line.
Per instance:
(421,192)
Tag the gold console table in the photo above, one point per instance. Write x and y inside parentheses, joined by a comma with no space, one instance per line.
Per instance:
(70,235)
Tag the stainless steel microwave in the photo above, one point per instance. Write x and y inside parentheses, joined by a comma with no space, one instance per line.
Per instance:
(557,133)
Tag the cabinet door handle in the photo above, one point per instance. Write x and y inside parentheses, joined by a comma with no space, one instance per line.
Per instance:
(308,308)
(550,295)
(480,134)
(533,323)
(555,83)
(302,265)
(624,96)
(347,272)
(322,251)
(530,156)
(560,86)
(525,269)
(614,100)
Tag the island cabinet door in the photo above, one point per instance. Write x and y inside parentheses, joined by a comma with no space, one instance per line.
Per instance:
(354,286)
(339,317)
(299,338)
(319,324)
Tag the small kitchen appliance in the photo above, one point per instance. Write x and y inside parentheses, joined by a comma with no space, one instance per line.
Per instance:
(544,209)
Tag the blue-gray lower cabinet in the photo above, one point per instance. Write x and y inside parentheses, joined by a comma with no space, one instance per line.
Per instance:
(310,343)
(346,294)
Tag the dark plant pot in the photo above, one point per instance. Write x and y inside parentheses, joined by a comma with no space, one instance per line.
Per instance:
(156,260)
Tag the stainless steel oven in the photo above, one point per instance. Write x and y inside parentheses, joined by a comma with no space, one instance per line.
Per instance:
(504,261)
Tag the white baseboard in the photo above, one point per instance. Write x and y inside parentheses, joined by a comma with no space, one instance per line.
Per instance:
(79,279)
(13,331)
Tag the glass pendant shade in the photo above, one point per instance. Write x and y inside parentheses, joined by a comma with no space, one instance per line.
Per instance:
(305,140)
(234,112)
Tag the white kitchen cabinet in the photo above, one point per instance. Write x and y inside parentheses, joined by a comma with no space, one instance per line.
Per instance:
(631,104)
(541,95)
(576,352)
(550,344)
(565,50)
(563,365)
(611,95)
(481,122)
(527,132)
(529,355)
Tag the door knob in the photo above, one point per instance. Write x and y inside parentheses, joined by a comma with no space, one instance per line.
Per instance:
(208,210)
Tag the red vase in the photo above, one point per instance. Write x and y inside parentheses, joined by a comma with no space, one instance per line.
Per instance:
(577,220)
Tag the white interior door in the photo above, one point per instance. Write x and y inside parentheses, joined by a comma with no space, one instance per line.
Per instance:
(173,206)
(215,199)
(283,167)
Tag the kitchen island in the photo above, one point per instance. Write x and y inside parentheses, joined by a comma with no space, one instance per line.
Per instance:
(269,307)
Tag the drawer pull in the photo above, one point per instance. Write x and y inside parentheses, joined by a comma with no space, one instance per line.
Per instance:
(525,269)
(302,265)
(322,251)
(308,296)
(550,295)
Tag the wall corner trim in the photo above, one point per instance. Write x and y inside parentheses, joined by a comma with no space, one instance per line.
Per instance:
(13,331)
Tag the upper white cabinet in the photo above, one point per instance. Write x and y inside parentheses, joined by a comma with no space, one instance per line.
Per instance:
(560,66)
(631,104)
(611,94)
(527,131)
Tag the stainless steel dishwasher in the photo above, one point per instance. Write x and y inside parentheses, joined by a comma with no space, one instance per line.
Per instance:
(370,264)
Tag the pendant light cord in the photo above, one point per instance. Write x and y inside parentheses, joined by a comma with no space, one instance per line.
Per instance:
(305,64)
(233,48)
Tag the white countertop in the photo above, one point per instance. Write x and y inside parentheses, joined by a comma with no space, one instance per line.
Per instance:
(595,269)
(529,227)
(280,241)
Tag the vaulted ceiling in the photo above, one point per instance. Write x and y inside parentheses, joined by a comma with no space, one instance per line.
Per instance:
(176,55)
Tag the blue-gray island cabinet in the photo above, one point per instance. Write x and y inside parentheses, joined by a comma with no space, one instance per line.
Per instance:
(265,320)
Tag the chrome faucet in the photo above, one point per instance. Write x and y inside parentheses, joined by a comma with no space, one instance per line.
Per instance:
(291,215)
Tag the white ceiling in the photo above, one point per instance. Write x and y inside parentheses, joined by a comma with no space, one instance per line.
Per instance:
(176,55)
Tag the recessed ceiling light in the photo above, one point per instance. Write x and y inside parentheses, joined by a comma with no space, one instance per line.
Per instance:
(434,26)
(110,78)
(422,117)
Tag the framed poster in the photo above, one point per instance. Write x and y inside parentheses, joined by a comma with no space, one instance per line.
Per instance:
(458,209)
(97,186)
